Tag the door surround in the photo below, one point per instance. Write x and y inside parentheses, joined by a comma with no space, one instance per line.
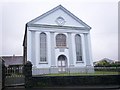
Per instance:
(62,63)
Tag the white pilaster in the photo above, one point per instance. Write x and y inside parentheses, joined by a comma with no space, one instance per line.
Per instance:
(90,49)
(48,48)
(83,48)
(71,63)
(53,61)
(73,48)
(37,47)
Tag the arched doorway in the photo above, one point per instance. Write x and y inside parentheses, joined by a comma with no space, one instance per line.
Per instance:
(62,63)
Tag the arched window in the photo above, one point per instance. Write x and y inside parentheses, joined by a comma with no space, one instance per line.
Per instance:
(61,40)
(43,47)
(78,47)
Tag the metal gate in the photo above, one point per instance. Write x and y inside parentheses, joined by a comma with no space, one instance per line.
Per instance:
(14,75)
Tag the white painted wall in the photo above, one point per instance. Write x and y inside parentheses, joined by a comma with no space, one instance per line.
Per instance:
(51,18)
(57,51)
(33,50)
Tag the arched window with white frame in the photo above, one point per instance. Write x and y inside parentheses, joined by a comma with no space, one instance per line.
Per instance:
(78,47)
(61,40)
(43,47)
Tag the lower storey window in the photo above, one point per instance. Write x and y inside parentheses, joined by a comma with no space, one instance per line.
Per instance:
(43,59)
(78,47)
(43,47)
(79,58)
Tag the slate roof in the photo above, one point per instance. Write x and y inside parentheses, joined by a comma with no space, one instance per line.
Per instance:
(13,60)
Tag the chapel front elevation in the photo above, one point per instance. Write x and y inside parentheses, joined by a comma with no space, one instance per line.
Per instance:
(58,42)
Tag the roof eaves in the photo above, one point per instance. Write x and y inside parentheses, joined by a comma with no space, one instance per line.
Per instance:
(58,27)
(45,14)
(76,18)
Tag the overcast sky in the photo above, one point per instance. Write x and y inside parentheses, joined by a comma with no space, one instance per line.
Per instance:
(101,16)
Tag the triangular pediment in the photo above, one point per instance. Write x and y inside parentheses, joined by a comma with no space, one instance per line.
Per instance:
(59,16)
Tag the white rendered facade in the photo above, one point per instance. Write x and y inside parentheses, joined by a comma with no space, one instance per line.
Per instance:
(54,22)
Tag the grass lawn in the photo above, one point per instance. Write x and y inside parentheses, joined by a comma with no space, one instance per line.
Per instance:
(83,74)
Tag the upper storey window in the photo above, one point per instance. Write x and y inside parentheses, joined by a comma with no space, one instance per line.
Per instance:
(61,40)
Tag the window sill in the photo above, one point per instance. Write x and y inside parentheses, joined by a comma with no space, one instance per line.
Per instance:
(79,62)
(43,63)
(61,47)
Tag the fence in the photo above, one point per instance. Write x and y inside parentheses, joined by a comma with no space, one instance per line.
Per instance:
(14,75)
(60,79)
(52,81)
(14,70)
(77,71)
(115,69)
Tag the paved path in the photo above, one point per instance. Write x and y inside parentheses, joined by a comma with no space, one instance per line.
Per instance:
(68,88)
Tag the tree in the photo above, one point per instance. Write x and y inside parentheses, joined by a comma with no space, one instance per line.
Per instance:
(103,63)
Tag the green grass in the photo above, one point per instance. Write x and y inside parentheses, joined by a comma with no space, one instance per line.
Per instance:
(84,74)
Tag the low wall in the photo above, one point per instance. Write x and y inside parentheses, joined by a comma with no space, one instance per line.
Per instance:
(41,71)
(49,81)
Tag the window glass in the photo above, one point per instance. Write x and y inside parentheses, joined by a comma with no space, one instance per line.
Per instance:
(61,40)
(78,47)
(43,47)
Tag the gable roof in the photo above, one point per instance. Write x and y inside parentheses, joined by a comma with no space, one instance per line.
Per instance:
(31,23)
(55,9)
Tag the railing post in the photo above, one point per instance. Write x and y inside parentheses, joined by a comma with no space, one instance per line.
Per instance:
(27,70)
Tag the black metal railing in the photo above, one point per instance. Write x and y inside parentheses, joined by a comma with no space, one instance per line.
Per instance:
(14,71)
(78,71)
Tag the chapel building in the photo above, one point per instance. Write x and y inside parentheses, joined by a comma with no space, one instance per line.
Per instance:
(58,42)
